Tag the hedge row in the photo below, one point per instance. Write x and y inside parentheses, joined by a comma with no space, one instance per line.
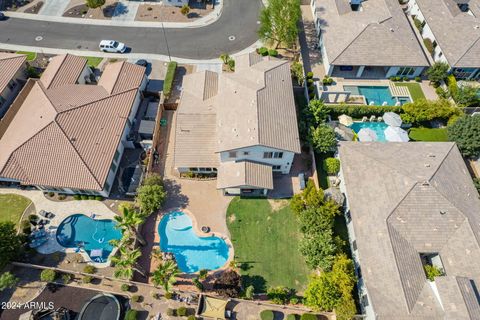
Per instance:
(168,82)
(359,111)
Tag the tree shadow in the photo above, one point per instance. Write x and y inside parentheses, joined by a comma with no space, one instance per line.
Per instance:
(258,282)
(175,197)
(109,10)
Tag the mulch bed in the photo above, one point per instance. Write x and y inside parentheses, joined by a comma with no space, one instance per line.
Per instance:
(35,8)
(76,12)
(14,5)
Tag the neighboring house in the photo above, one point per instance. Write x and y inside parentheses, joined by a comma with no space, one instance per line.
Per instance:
(366,39)
(12,78)
(64,136)
(453,26)
(242,125)
(409,205)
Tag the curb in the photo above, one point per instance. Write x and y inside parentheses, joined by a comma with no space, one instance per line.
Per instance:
(202,22)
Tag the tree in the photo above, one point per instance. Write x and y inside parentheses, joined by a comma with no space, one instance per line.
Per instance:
(466,96)
(297,72)
(10,243)
(466,133)
(165,275)
(94,3)
(438,72)
(422,111)
(228,284)
(323,138)
(278,22)
(309,198)
(346,309)
(318,111)
(7,280)
(129,222)
(279,295)
(322,293)
(331,165)
(153,179)
(150,198)
(185,9)
(126,263)
(319,250)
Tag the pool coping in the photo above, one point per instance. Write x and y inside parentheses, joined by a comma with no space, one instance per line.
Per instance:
(199,233)
(82,252)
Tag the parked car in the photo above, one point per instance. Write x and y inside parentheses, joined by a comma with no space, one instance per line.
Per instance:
(112,46)
(142,62)
(2,16)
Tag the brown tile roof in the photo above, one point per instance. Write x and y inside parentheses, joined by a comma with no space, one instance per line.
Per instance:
(121,76)
(65,136)
(10,63)
(406,199)
(244,174)
(62,70)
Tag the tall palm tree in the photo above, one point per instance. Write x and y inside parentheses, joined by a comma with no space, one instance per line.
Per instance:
(166,275)
(126,263)
(129,221)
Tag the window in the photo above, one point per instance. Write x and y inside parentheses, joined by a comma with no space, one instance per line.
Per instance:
(232,154)
(193,169)
(214,169)
(115,157)
(113,167)
(270,155)
(354,245)
(278,155)
(2,100)
(12,84)
(246,153)
(359,272)
(106,186)
(364,300)
(267,155)
(405,71)
(276,167)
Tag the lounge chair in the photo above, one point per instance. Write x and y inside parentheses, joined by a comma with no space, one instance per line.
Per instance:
(43,213)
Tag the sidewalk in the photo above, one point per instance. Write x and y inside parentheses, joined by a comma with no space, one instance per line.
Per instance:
(121,19)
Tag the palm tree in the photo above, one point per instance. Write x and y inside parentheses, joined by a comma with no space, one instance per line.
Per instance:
(166,275)
(156,255)
(129,221)
(126,263)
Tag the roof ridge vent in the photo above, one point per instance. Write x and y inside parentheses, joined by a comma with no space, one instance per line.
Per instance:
(425,183)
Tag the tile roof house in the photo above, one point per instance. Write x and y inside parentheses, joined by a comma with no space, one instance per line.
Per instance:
(241,125)
(453,26)
(65,136)
(366,39)
(412,204)
(12,78)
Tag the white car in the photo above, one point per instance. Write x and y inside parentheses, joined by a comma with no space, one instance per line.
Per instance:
(112,46)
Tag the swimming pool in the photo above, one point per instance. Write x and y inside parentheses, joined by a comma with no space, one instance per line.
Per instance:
(376,95)
(378,127)
(191,252)
(80,231)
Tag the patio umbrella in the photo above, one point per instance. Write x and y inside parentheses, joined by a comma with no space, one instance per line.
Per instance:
(366,135)
(392,119)
(396,134)
(345,120)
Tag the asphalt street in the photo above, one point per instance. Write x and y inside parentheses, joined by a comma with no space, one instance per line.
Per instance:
(236,29)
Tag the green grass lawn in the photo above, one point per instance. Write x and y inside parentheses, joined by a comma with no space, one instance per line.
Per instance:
(428,134)
(415,89)
(12,207)
(266,244)
(93,61)
(30,55)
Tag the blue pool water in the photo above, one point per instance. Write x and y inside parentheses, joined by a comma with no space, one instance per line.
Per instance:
(192,252)
(376,94)
(378,127)
(78,230)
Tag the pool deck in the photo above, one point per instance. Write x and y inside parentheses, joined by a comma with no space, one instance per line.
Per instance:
(61,210)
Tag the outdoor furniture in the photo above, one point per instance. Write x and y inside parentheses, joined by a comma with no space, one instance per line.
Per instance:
(367,135)
(396,134)
(205,229)
(213,308)
(46,214)
(392,119)
(345,120)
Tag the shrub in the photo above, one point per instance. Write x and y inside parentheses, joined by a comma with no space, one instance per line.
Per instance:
(27,230)
(443,94)
(359,111)
(131,315)
(263,51)
(279,295)
(91,197)
(432,272)
(171,312)
(309,82)
(191,318)
(465,132)
(331,165)
(292,317)
(311,95)
(124,287)
(66,277)
(84,197)
(136,298)
(308,316)
(323,138)
(182,311)
(32,72)
(294,300)
(94,3)
(428,44)
(327,81)
(87,279)
(99,198)
(198,284)
(419,24)
(309,75)
(231,64)
(77,197)
(297,72)
(202,274)
(89,269)
(228,284)
(266,315)
(61,197)
(249,292)
(272,53)
(168,295)
(25,224)
(51,194)
(169,76)
(185,9)
(425,110)
(155,295)
(33,218)
(418,79)
(406,79)
(48,275)
(438,72)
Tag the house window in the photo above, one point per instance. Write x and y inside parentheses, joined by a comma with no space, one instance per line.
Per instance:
(106,186)
(348,216)
(2,100)
(12,84)
(214,169)
(232,154)
(193,169)
(267,155)
(364,300)
(246,153)
(278,155)
(276,168)
(117,154)
(359,272)
(354,245)
(113,167)
(405,71)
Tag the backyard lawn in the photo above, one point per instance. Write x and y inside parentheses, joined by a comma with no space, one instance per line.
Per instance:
(428,134)
(266,244)
(93,61)
(415,89)
(12,207)
(30,55)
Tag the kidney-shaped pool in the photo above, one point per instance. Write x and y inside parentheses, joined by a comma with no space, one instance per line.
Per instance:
(192,252)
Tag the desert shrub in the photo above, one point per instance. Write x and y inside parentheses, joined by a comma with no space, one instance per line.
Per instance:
(331,165)
(185,9)
(418,79)
(77,197)
(155,295)
(182,311)
(91,197)
(99,198)
(198,284)
(249,292)
(272,53)
(168,295)
(124,287)
(61,197)
(84,197)
(263,51)
(51,194)
(169,76)
(266,315)
(202,274)
(171,312)
(418,24)
(131,315)
(66,277)
(87,279)
(48,275)
(89,269)
(136,298)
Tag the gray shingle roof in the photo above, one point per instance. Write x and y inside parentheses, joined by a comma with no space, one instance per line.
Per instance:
(396,192)
(378,35)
